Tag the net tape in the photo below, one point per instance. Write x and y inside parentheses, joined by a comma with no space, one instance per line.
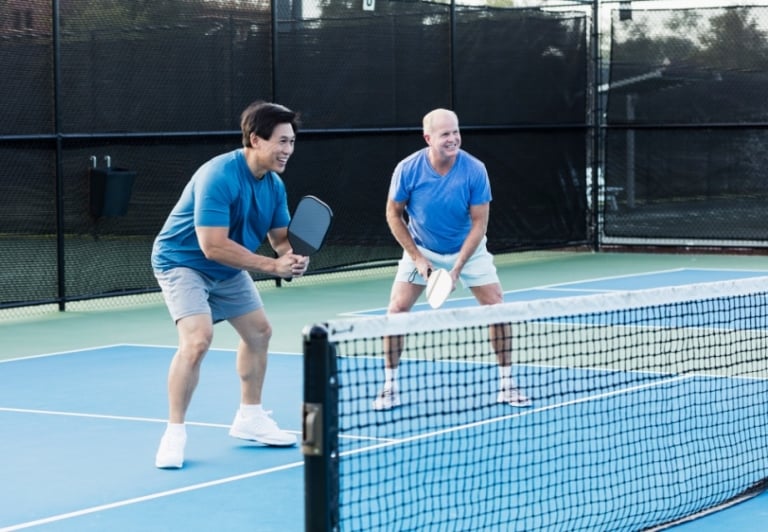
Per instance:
(404,323)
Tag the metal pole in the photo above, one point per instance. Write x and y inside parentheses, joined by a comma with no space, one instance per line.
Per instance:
(452,61)
(596,129)
(631,99)
(61,273)
(275,10)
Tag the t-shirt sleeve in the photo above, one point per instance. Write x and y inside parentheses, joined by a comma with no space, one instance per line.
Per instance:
(282,216)
(397,187)
(480,190)
(213,195)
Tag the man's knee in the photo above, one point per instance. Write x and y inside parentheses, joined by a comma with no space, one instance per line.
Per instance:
(490,294)
(403,297)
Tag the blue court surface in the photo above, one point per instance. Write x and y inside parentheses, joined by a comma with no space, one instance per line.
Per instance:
(596,447)
(80,429)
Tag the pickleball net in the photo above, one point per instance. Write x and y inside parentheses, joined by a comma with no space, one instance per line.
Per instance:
(648,407)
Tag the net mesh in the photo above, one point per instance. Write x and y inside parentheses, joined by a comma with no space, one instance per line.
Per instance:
(647,407)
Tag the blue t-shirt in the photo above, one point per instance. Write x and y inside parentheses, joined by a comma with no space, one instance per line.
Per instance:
(438,206)
(222,193)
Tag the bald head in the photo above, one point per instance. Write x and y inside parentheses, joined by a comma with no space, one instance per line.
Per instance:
(438,118)
(443,138)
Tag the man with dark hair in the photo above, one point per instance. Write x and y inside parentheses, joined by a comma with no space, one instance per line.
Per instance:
(201,259)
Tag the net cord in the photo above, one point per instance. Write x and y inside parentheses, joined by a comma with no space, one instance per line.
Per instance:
(521,311)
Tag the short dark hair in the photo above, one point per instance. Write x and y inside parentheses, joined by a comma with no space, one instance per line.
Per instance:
(262,117)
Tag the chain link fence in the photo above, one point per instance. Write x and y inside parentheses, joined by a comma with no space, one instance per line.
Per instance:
(601,123)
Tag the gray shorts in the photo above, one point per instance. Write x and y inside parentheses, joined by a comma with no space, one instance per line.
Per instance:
(188,292)
(478,271)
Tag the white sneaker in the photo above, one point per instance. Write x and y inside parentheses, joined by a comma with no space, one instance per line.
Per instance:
(261,428)
(170,454)
(386,400)
(513,397)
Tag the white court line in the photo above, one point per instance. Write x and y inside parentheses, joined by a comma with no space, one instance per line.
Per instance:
(145,420)
(113,346)
(103,416)
(108,416)
(135,500)
(59,353)
(384,444)
(127,502)
(526,412)
(235,478)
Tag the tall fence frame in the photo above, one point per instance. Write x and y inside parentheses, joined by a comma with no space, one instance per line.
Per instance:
(586,197)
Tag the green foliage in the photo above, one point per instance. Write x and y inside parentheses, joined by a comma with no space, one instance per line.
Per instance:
(735,41)
(727,40)
(335,9)
(83,16)
(500,3)
(340,8)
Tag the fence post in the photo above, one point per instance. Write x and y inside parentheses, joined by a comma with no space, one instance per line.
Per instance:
(320,432)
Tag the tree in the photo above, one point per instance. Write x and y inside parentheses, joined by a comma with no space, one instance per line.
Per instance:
(79,16)
(734,42)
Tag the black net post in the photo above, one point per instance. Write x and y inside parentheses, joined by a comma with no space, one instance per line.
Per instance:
(320,432)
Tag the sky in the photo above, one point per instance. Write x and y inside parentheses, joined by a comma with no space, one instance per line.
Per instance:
(311,10)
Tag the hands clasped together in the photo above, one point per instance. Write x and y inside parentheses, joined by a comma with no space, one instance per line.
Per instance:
(291,265)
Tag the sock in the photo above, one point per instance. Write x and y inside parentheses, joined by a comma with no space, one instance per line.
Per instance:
(176,429)
(506,382)
(250,410)
(390,378)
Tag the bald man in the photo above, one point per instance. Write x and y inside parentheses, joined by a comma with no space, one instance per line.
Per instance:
(446,194)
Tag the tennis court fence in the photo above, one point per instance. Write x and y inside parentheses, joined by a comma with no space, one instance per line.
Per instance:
(648,407)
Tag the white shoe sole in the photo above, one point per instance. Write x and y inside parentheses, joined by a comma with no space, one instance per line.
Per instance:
(385,407)
(264,440)
(520,403)
(392,402)
(168,464)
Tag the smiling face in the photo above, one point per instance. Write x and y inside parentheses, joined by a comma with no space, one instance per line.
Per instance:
(271,154)
(441,132)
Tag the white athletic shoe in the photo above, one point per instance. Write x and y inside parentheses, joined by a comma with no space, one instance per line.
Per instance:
(513,397)
(170,453)
(261,428)
(386,400)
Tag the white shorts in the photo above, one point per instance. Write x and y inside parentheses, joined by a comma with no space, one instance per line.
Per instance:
(188,292)
(478,271)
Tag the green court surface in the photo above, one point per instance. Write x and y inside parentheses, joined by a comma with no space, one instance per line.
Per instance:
(290,307)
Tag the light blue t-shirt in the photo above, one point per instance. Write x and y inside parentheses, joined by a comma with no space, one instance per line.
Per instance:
(222,193)
(438,206)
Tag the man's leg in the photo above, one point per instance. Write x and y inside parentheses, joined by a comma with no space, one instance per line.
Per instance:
(402,298)
(255,333)
(252,422)
(500,335)
(195,334)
